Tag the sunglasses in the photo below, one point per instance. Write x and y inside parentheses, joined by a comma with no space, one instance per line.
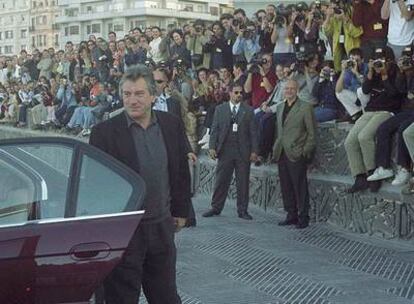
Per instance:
(159,81)
(237,92)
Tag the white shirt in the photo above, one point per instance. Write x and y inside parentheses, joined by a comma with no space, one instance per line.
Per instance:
(161,104)
(154,51)
(400,31)
(234,105)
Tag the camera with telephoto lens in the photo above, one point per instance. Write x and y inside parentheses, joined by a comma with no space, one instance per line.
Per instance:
(379,58)
(338,11)
(318,4)
(410,7)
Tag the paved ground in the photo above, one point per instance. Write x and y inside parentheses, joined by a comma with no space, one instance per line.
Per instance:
(227,260)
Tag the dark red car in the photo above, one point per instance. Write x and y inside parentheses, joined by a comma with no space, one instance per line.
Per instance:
(67,214)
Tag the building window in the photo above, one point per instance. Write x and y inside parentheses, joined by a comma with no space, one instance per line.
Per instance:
(33,41)
(74,30)
(89,9)
(96,28)
(34,4)
(118,27)
(44,20)
(72,12)
(23,34)
(1,50)
(9,34)
(110,27)
(8,49)
(1,35)
(56,39)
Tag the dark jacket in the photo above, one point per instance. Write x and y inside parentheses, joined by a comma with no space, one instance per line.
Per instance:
(384,95)
(222,126)
(220,51)
(114,137)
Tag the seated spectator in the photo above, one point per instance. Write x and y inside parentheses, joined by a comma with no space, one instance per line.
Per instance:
(397,125)
(348,87)
(324,91)
(261,79)
(247,42)
(385,99)
(65,102)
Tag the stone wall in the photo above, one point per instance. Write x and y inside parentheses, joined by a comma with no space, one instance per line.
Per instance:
(386,213)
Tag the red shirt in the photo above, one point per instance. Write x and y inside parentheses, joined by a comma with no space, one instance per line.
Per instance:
(259,94)
(368,16)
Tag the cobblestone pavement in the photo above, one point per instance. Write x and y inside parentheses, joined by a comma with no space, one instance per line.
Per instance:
(227,260)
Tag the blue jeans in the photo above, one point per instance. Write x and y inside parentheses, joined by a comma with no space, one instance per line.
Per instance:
(325,114)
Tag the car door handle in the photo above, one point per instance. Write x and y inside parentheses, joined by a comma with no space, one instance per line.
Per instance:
(89,251)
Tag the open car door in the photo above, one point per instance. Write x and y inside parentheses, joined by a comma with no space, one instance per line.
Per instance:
(67,214)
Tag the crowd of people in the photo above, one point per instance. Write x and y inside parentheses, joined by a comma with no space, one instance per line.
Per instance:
(352,60)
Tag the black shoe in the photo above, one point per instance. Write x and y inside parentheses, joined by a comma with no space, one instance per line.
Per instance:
(302,225)
(245,216)
(191,223)
(374,186)
(360,184)
(288,222)
(210,213)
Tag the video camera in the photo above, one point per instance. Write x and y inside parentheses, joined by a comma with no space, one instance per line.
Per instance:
(255,63)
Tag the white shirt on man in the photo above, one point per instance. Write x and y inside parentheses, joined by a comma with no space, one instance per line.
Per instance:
(400,31)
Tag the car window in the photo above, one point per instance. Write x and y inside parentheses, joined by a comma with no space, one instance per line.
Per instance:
(101,190)
(45,169)
(16,191)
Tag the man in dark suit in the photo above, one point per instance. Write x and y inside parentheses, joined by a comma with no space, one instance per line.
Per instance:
(233,140)
(294,147)
(151,143)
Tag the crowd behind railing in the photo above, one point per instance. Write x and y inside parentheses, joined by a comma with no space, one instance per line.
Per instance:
(352,60)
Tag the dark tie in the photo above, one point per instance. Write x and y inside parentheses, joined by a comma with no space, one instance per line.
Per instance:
(233,114)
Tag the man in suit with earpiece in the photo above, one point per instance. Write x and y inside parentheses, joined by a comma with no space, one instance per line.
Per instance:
(233,141)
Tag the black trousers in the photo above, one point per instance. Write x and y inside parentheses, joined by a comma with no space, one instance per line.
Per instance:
(369,46)
(396,124)
(149,262)
(224,173)
(267,131)
(294,187)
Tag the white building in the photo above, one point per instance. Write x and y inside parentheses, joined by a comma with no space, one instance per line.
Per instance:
(14,26)
(81,18)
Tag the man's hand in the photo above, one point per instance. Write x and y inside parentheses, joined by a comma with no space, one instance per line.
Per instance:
(253,157)
(213,154)
(179,223)
(191,156)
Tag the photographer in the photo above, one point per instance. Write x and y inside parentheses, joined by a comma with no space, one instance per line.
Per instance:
(283,53)
(397,125)
(265,25)
(385,98)
(195,45)
(229,33)
(306,71)
(400,24)
(348,87)
(180,81)
(261,79)
(247,42)
(179,50)
(324,91)
(345,35)
(218,48)
(305,28)
(367,14)
(136,54)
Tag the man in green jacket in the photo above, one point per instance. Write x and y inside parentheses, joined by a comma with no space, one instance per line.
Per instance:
(294,147)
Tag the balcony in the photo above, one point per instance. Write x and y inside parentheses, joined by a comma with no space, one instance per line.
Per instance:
(136,12)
